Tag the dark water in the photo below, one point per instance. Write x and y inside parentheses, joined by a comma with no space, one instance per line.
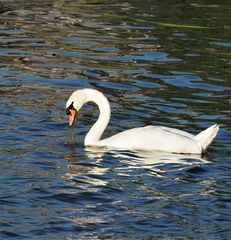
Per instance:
(159,62)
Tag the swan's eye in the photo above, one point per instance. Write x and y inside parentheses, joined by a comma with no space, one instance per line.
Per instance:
(68,111)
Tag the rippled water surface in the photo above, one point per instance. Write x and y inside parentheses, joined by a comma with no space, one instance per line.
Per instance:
(159,62)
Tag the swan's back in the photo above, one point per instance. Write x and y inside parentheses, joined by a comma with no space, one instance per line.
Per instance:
(154,138)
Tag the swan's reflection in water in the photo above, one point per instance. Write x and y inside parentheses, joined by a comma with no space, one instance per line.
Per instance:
(108,185)
(157,163)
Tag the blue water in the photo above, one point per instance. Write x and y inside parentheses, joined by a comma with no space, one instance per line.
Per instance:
(176,75)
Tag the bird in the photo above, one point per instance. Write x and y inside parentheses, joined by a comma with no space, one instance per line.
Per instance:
(148,138)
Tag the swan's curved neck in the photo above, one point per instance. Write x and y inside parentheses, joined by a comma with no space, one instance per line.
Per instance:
(96,131)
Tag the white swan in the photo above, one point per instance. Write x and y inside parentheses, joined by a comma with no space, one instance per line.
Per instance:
(153,138)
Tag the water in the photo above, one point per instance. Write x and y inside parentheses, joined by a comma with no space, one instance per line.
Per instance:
(158,62)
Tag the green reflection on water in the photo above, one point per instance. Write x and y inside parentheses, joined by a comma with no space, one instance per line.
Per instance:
(154,22)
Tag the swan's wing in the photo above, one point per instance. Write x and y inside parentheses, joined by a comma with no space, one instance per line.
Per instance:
(154,138)
(174,131)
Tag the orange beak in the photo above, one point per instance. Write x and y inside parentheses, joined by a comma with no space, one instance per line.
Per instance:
(72,116)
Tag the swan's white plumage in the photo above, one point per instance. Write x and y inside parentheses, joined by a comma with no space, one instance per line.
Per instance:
(154,138)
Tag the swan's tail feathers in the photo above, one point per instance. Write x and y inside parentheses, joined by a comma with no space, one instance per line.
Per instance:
(206,137)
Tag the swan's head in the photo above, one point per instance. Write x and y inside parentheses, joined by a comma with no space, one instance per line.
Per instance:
(77,99)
